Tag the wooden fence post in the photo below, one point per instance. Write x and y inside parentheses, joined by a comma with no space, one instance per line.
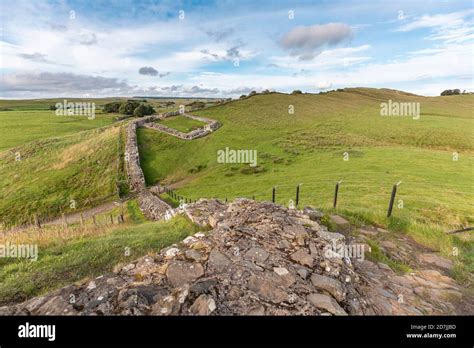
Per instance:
(336,191)
(273,194)
(297,195)
(392,198)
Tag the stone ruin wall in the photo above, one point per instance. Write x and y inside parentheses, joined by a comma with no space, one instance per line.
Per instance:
(211,125)
(151,206)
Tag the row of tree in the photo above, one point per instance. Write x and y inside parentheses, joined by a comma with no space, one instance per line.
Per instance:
(130,107)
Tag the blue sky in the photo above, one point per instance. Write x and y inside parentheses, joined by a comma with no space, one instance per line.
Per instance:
(228,48)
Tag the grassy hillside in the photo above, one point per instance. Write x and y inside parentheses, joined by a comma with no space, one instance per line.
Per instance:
(62,261)
(308,147)
(44,177)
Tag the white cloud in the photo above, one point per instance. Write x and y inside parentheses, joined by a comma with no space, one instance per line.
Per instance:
(303,41)
(437,21)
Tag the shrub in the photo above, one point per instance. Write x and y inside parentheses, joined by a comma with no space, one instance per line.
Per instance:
(243,96)
(197,104)
(296,91)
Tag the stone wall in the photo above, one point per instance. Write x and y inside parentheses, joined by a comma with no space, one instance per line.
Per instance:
(211,126)
(149,202)
(136,178)
(151,206)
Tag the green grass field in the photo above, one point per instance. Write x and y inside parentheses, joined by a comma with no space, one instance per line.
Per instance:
(182,123)
(309,146)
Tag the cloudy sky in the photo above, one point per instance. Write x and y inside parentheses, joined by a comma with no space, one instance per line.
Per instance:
(228,48)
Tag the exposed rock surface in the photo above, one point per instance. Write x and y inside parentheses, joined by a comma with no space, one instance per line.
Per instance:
(258,259)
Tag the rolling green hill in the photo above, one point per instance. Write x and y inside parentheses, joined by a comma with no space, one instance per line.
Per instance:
(308,147)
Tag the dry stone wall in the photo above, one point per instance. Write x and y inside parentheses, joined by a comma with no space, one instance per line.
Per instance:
(211,126)
(151,206)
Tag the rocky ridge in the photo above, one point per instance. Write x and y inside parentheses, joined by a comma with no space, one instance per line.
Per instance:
(253,258)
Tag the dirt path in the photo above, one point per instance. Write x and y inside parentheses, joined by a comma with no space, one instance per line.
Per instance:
(73,218)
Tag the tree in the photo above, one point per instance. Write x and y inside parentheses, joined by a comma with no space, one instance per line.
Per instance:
(143,110)
(296,91)
(253,93)
(243,96)
(451,92)
(112,107)
(128,107)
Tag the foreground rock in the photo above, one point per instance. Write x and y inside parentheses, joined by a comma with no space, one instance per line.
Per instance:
(258,259)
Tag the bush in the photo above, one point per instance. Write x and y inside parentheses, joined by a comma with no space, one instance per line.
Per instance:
(112,107)
(197,104)
(296,91)
(243,96)
(253,93)
(143,110)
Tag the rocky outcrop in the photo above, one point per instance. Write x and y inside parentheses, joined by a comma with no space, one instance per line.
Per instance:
(256,259)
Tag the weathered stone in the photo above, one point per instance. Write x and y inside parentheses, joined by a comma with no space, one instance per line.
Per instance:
(194,255)
(331,285)
(302,257)
(256,254)
(436,260)
(218,261)
(280,271)
(180,273)
(326,303)
(341,223)
(204,305)
(266,290)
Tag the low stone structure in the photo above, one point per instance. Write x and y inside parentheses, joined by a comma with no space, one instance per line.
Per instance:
(211,126)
